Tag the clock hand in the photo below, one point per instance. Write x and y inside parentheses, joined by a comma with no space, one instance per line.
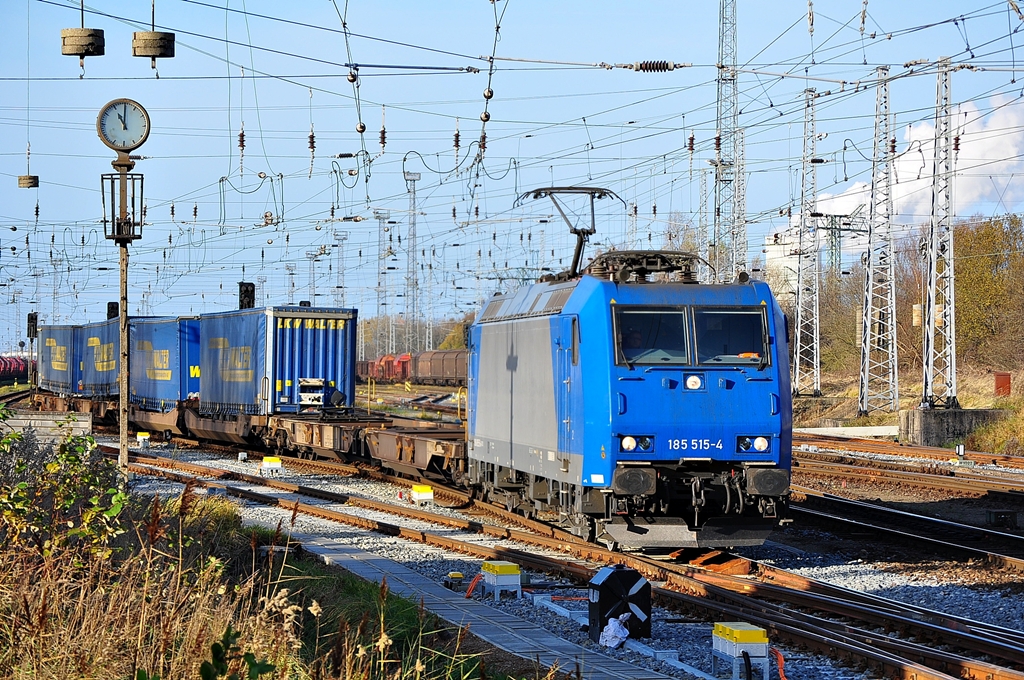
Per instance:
(124,126)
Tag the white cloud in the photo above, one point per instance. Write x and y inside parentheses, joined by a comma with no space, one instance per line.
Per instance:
(990,164)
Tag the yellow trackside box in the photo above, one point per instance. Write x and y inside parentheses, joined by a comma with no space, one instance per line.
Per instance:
(270,464)
(501,577)
(422,493)
(732,638)
(499,567)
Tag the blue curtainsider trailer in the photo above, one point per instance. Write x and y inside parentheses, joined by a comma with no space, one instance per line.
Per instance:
(165,374)
(273,360)
(97,352)
(57,368)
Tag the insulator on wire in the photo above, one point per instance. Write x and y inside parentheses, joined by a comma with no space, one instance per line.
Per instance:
(169,241)
(172,212)
(195,212)
(654,210)
(956,147)
(892,145)
(144,210)
(457,138)
(690,143)
(476,211)
(654,66)
(453,212)
(483,142)
(383,132)
(634,210)
(332,212)
(718,142)
(312,140)
(241,139)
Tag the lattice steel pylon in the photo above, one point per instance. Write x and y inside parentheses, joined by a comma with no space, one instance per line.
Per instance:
(879,376)
(725,141)
(339,251)
(940,318)
(704,275)
(382,343)
(412,280)
(807,353)
(738,238)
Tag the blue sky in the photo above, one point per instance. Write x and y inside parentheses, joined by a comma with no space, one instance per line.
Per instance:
(278,68)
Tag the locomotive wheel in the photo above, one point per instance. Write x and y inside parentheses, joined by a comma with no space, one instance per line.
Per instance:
(581,525)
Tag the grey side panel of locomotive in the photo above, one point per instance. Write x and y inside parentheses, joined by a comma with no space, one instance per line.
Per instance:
(516,404)
(516,419)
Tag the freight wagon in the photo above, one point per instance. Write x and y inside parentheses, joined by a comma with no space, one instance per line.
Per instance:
(259,362)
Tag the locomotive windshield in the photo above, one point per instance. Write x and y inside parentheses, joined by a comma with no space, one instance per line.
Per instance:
(731,336)
(652,335)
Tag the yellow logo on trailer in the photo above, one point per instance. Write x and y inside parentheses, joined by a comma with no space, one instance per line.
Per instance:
(58,355)
(310,324)
(235,364)
(103,355)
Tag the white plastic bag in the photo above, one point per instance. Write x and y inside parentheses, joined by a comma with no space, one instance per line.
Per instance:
(615,633)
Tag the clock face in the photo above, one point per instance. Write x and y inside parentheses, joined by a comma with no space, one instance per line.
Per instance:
(123,125)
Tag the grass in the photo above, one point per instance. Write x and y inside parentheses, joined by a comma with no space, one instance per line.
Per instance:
(975,390)
(95,584)
(1004,437)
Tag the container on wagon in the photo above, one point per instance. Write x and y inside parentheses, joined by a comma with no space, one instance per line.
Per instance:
(57,367)
(97,350)
(277,360)
(164,361)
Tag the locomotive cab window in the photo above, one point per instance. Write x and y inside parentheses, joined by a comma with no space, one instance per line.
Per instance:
(731,336)
(651,335)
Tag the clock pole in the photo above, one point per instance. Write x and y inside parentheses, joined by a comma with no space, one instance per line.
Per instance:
(123,164)
(123,125)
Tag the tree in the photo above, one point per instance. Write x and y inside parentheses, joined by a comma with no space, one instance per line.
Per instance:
(989,268)
(456,338)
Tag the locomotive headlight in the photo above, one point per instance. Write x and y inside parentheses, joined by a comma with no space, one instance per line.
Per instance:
(744,443)
(644,443)
(628,443)
(760,444)
(693,382)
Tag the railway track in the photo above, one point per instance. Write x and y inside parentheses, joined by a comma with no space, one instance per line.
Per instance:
(956,481)
(793,609)
(995,547)
(806,443)
(12,397)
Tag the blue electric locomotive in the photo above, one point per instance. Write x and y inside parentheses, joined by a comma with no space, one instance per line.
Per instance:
(634,405)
